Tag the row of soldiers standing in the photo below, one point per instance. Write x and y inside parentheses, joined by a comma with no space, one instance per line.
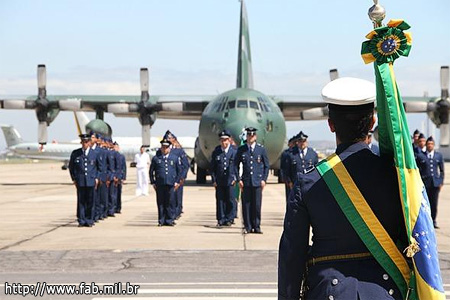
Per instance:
(98,171)
(169,168)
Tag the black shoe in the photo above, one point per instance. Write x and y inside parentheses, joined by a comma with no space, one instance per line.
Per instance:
(257,230)
(118,212)
(228,223)
(218,225)
(436,226)
(170,224)
(80,225)
(159,224)
(111,215)
(247,231)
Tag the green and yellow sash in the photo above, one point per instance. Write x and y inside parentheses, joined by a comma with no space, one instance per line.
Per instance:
(364,221)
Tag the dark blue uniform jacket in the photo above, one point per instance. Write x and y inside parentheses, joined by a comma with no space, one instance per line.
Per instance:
(255,165)
(431,169)
(296,164)
(112,163)
(312,204)
(165,171)
(223,169)
(84,168)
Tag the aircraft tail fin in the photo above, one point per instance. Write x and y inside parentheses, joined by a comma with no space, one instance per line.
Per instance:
(12,136)
(81,120)
(244,71)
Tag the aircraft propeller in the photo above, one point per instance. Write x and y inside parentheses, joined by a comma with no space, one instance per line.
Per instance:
(145,108)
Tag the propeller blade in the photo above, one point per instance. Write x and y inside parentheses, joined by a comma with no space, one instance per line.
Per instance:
(72,104)
(317,113)
(146,135)
(144,80)
(42,133)
(445,135)
(444,82)
(14,104)
(334,74)
(118,108)
(42,77)
(417,107)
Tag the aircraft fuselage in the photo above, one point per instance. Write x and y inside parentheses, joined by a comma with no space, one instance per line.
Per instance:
(235,110)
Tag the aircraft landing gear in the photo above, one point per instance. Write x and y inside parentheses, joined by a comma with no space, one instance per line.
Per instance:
(201,175)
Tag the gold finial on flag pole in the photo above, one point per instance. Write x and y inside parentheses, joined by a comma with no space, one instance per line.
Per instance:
(376,14)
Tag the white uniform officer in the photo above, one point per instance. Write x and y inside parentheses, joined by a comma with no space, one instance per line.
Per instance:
(142,161)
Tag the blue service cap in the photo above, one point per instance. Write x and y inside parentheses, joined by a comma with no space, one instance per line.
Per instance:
(169,134)
(421,136)
(251,130)
(165,142)
(301,136)
(224,134)
(85,137)
(430,139)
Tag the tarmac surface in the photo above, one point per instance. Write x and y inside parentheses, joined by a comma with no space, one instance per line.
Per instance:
(40,242)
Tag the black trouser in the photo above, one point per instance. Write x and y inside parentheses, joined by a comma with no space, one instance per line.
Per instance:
(433,195)
(103,200)
(179,201)
(251,207)
(112,199)
(119,198)
(224,204)
(165,200)
(85,205)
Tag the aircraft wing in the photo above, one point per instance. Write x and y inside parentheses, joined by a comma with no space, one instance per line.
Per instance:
(296,108)
(120,105)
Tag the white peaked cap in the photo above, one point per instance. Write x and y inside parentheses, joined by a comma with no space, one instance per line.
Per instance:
(349,91)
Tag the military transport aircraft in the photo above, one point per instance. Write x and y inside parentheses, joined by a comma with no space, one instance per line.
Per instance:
(234,109)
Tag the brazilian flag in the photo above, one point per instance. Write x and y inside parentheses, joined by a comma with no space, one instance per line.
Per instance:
(384,45)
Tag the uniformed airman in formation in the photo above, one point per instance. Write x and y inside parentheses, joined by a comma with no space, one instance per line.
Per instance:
(431,166)
(178,150)
(297,158)
(283,165)
(166,174)
(98,170)
(224,178)
(252,158)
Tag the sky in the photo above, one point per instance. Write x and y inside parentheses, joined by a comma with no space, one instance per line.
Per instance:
(190,48)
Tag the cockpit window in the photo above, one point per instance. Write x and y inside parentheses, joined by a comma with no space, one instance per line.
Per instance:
(242,104)
(254,105)
(231,104)
(223,105)
(264,105)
